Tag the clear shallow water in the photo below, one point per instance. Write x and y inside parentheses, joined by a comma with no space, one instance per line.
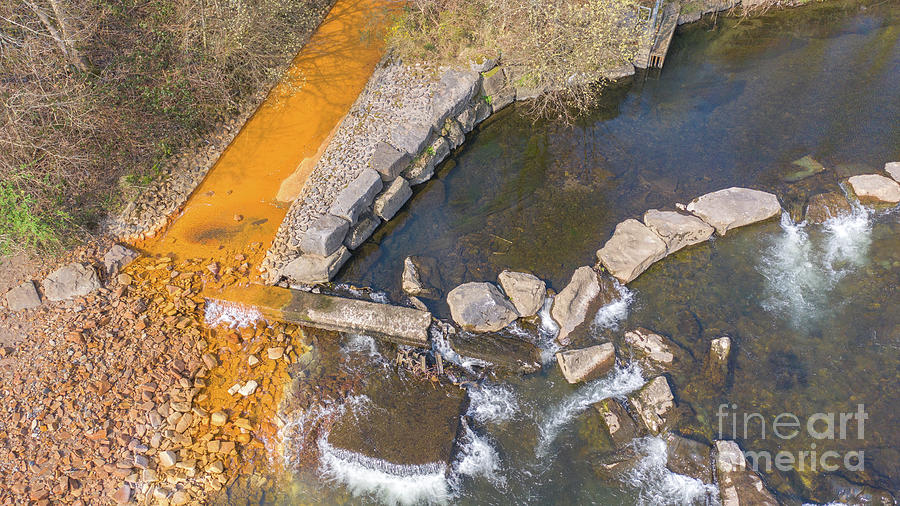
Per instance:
(813,311)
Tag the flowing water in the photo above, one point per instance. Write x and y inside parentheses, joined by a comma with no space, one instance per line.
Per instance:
(813,311)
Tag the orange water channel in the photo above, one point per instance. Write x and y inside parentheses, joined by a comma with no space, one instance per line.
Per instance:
(245,196)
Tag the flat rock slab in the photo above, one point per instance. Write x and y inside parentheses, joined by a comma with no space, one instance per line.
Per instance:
(311,269)
(524,290)
(392,199)
(397,324)
(631,250)
(421,277)
(655,353)
(480,307)
(571,304)
(653,404)
(676,229)
(588,363)
(117,258)
(24,296)
(875,187)
(389,161)
(404,422)
(893,170)
(508,352)
(735,207)
(620,426)
(358,196)
(455,90)
(73,280)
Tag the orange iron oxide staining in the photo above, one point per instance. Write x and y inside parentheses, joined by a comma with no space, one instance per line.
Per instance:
(238,203)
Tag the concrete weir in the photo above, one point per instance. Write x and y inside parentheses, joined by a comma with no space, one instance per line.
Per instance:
(401,325)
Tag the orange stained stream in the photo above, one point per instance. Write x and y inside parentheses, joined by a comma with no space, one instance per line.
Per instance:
(238,204)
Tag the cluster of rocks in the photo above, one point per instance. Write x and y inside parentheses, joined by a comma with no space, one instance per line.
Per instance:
(406,122)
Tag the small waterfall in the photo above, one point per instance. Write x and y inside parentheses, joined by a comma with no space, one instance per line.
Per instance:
(230,314)
(620,382)
(383,481)
(492,403)
(477,458)
(609,315)
(801,269)
(363,345)
(547,333)
(657,485)
(441,344)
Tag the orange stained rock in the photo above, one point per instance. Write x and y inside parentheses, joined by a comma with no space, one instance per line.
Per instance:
(237,203)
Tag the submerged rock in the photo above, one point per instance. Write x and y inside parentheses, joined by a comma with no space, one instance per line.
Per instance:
(688,457)
(810,166)
(738,484)
(631,250)
(586,364)
(421,277)
(830,489)
(875,188)
(676,229)
(404,422)
(73,280)
(571,304)
(735,207)
(480,307)
(717,362)
(524,290)
(824,206)
(507,352)
(654,352)
(620,426)
(24,296)
(654,403)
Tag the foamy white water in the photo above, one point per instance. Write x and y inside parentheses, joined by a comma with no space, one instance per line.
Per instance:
(492,403)
(383,481)
(548,331)
(801,271)
(609,315)
(441,345)
(363,345)
(657,485)
(477,458)
(230,314)
(620,382)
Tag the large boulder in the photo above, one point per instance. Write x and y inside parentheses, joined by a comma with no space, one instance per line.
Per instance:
(73,280)
(24,296)
(738,485)
(389,161)
(735,207)
(421,277)
(324,236)
(392,199)
(455,89)
(358,196)
(365,226)
(631,250)
(411,137)
(524,290)
(571,304)
(480,307)
(655,353)
(654,404)
(620,426)
(875,188)
(677,230)
(893,170)
(588,363)
(688,457)
(422,168)
(824,206)
(116,259)
(312,269)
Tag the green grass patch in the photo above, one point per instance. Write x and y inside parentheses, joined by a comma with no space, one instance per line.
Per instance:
(23,225)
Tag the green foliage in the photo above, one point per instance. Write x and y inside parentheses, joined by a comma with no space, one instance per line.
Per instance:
(23,225)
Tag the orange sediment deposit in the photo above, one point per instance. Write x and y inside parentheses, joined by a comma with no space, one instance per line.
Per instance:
(237,203)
